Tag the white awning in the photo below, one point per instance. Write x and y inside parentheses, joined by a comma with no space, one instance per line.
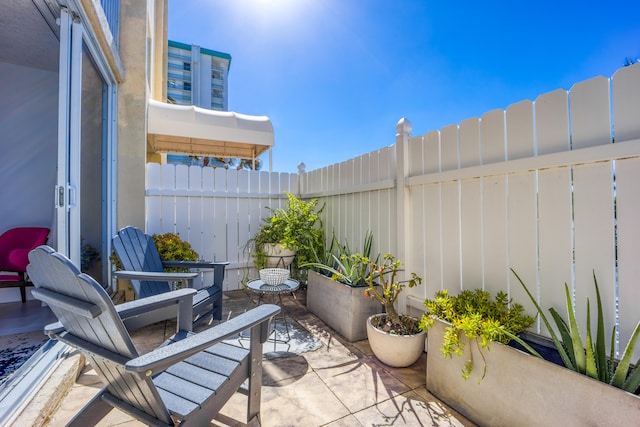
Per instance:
(185,129)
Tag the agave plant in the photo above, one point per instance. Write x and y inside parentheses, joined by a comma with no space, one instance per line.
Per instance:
(345,266)
(591,358)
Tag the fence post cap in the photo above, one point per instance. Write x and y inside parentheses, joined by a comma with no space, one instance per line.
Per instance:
(404,126)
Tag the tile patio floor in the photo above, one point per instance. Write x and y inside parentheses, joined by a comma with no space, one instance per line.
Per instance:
(341,384)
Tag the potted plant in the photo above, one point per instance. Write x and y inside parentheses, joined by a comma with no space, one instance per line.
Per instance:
(591,358)
(531,390)
(473,317)
(395,339)
(170,246)
(335,289)
(89,255)
(295,230)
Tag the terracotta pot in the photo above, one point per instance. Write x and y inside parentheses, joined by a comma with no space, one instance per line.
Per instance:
(398,351)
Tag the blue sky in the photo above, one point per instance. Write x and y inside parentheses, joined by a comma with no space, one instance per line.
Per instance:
(335,76)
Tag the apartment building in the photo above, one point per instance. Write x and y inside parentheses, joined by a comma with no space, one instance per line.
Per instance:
(197,76)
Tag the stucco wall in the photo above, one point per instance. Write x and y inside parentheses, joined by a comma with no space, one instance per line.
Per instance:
(132,114)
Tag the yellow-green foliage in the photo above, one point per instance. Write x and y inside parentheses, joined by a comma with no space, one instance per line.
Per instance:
(171,247)
(475,315)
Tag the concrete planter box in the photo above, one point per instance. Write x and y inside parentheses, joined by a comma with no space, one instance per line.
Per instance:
(522,390)
(344,308)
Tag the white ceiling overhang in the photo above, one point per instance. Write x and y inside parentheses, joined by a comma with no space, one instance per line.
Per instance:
(186,129)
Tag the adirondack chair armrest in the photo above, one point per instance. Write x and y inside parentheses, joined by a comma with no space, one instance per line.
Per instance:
(194,264)
(157,275)
(52,330)
(144,305)
(190,344)
(140,306)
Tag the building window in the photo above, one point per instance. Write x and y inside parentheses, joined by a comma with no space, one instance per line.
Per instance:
(186,66)
(186,86)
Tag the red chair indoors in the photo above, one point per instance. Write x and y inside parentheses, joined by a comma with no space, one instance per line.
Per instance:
(15,245)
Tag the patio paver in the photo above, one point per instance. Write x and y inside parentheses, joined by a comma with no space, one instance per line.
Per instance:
(341,384)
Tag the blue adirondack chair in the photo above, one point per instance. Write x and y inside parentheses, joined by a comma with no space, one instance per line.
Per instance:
(184,382)
(142,265)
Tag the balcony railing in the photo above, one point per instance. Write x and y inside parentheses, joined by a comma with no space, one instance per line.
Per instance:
(177,56)
(180,67)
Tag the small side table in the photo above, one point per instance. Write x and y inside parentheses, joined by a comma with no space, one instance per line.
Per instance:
(257,286)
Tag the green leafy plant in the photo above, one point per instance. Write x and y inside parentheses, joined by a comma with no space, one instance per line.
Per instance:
(325,256)
(591,359)
(171,247)
(343,265)
(382,284)
(297,227)
(475,315)
(88,256)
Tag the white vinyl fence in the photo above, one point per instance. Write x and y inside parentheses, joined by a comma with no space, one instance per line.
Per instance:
(216,210)
(548,187)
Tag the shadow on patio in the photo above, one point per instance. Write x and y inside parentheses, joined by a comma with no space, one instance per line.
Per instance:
(337,384)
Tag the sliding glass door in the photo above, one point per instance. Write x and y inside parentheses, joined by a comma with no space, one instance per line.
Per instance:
(84,186)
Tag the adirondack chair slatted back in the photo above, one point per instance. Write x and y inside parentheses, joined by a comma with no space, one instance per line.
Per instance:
(137,252)
(93,325)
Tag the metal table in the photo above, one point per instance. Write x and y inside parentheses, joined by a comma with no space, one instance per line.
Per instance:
(260,288)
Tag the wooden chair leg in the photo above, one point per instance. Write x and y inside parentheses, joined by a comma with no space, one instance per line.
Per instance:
(17,284)
(94,411)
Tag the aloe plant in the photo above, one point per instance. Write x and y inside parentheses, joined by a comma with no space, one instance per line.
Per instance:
(345,266)
(591,358)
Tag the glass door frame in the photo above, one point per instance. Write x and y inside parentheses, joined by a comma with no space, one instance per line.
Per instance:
(74,37)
